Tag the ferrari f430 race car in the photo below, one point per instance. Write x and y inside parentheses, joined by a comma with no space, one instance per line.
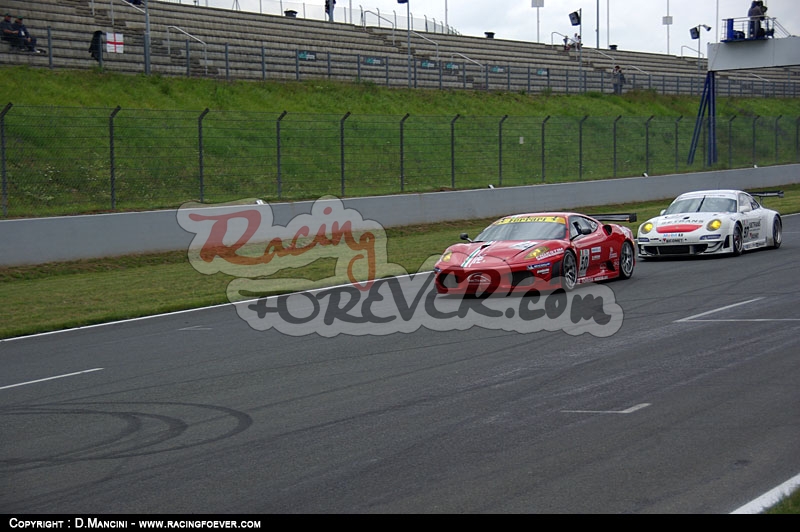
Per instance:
(710,222)
(543,251)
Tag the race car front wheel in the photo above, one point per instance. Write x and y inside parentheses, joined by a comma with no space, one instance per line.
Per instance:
(777,232)
(738,243)
(626,260)
(569,271)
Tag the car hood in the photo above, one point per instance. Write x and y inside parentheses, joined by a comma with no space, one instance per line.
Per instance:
(686,222)
(481,254)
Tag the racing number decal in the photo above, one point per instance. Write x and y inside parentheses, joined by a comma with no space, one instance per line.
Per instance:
(584,265)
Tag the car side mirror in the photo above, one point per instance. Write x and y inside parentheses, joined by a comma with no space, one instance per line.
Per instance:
(663,211)
(464,236)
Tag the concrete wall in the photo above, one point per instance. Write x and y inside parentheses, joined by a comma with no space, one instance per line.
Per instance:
(42,240)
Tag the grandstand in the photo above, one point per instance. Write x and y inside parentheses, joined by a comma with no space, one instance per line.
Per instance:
(193,40)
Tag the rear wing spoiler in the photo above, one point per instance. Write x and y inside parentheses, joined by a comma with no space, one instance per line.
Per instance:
(768,194)
(621,217)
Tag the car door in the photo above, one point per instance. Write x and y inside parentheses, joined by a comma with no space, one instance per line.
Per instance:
(750,213)
(589,243)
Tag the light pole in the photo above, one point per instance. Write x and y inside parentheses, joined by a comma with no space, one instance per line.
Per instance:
(538,4)
(576,19)
(695,34)
(408,36)
(667,21)
(597,27)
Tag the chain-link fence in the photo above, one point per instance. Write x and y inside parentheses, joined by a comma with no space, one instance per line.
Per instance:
(57,161)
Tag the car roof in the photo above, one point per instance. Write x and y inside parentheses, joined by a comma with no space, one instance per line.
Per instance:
(724,193)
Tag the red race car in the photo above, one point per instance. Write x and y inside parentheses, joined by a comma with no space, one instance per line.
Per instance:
(542,251)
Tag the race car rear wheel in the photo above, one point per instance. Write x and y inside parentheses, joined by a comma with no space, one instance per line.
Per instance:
(569,271)
(777,232)
(738,242)
(626,260)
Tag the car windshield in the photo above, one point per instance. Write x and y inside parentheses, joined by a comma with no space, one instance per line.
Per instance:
(703,204)
(525,228)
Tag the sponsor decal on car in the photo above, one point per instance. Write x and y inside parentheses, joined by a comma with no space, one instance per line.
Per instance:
(522,219)
(524,245)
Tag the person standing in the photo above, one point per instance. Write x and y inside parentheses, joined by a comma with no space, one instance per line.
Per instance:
(329,5)
(756,13)
(618,79)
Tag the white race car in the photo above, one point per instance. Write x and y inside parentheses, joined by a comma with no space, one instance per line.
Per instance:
(710,222)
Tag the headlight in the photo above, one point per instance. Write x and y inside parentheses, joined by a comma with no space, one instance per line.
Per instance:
(714,224)
(646,228)
(536,253)
(446,256)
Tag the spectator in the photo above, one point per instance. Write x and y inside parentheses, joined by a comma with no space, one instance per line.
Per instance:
(10,35)
(96,46)
(27,40)
(577,40)
(756,14)
(618,79)
(566,44)
(329,5)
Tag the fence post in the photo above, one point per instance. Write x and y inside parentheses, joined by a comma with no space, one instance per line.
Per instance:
(278,147)
(500,150)
(730,141)
(50,47)
(200,150)
(341,145)
(580,147)
(403,153)
(797,140)
(677,122)
(453,151)
(227,64)
(615,144)
(755,120)
(529,80)
(263,63)
(544,122)
(3,113)
(647,145)
(776,137)
(113,162)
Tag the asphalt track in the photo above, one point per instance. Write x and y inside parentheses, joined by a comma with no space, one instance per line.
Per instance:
(691,406)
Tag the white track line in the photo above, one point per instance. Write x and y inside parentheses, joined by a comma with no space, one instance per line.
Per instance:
(50,378)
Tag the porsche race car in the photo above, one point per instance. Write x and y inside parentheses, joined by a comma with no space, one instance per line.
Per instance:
(538,251)
(709,222)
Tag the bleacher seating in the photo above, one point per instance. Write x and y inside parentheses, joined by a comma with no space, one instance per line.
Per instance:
(187,39)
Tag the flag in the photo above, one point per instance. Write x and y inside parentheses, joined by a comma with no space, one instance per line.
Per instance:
(114,43)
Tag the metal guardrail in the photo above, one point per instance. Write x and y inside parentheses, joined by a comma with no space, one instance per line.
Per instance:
(205,46)
(436,44)
(380,17)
